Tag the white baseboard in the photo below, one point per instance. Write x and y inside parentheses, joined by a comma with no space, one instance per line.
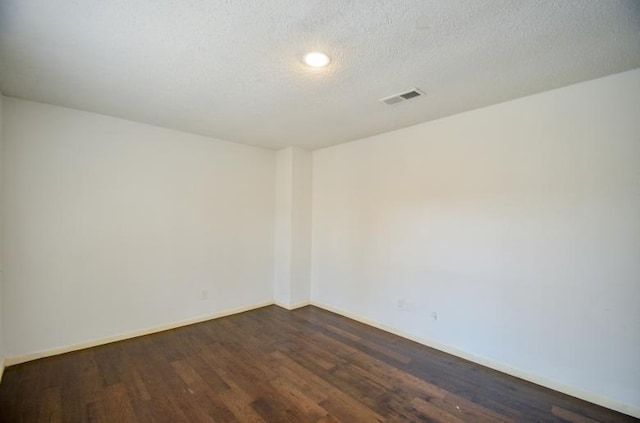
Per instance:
(292,306)
(501,367)
(10,361)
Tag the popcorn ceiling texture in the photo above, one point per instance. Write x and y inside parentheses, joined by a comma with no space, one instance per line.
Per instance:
(232,69)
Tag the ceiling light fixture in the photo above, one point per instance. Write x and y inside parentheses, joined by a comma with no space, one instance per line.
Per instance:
(316,59)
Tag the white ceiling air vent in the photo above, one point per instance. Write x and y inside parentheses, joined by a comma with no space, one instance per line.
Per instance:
(399,98)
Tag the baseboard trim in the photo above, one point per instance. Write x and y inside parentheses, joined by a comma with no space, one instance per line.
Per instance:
(501,367)
(292,306)
(10,361)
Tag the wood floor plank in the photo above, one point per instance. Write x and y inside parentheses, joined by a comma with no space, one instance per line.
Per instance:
(311,390)
(328,419)
(50,405)
(240,405)
(570,416)
(434,412)
(117,404)
(273,365)
(311,410)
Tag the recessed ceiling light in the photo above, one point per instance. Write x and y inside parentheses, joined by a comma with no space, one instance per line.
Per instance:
(316,59)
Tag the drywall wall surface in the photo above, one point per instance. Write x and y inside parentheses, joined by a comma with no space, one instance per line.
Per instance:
(511,233)
(293,227)
(282,237)
(112,226)
(301,226)
(2,346)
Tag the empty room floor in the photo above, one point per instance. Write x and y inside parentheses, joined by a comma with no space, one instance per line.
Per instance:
(273,365)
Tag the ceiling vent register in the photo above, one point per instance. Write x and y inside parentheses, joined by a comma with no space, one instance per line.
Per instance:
(402,97)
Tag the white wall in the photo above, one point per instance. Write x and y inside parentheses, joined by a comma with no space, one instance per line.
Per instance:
(112,226)
(518,224)
(2,347)
(283,230)
(293,227)
(301,189)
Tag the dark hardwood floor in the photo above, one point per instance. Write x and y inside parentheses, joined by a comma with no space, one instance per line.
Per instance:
(272,365)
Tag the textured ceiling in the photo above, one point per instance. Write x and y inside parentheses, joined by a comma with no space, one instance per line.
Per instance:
(231,69)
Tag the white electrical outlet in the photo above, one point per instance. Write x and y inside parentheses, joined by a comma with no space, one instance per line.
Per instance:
(204,294)
(434,315)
